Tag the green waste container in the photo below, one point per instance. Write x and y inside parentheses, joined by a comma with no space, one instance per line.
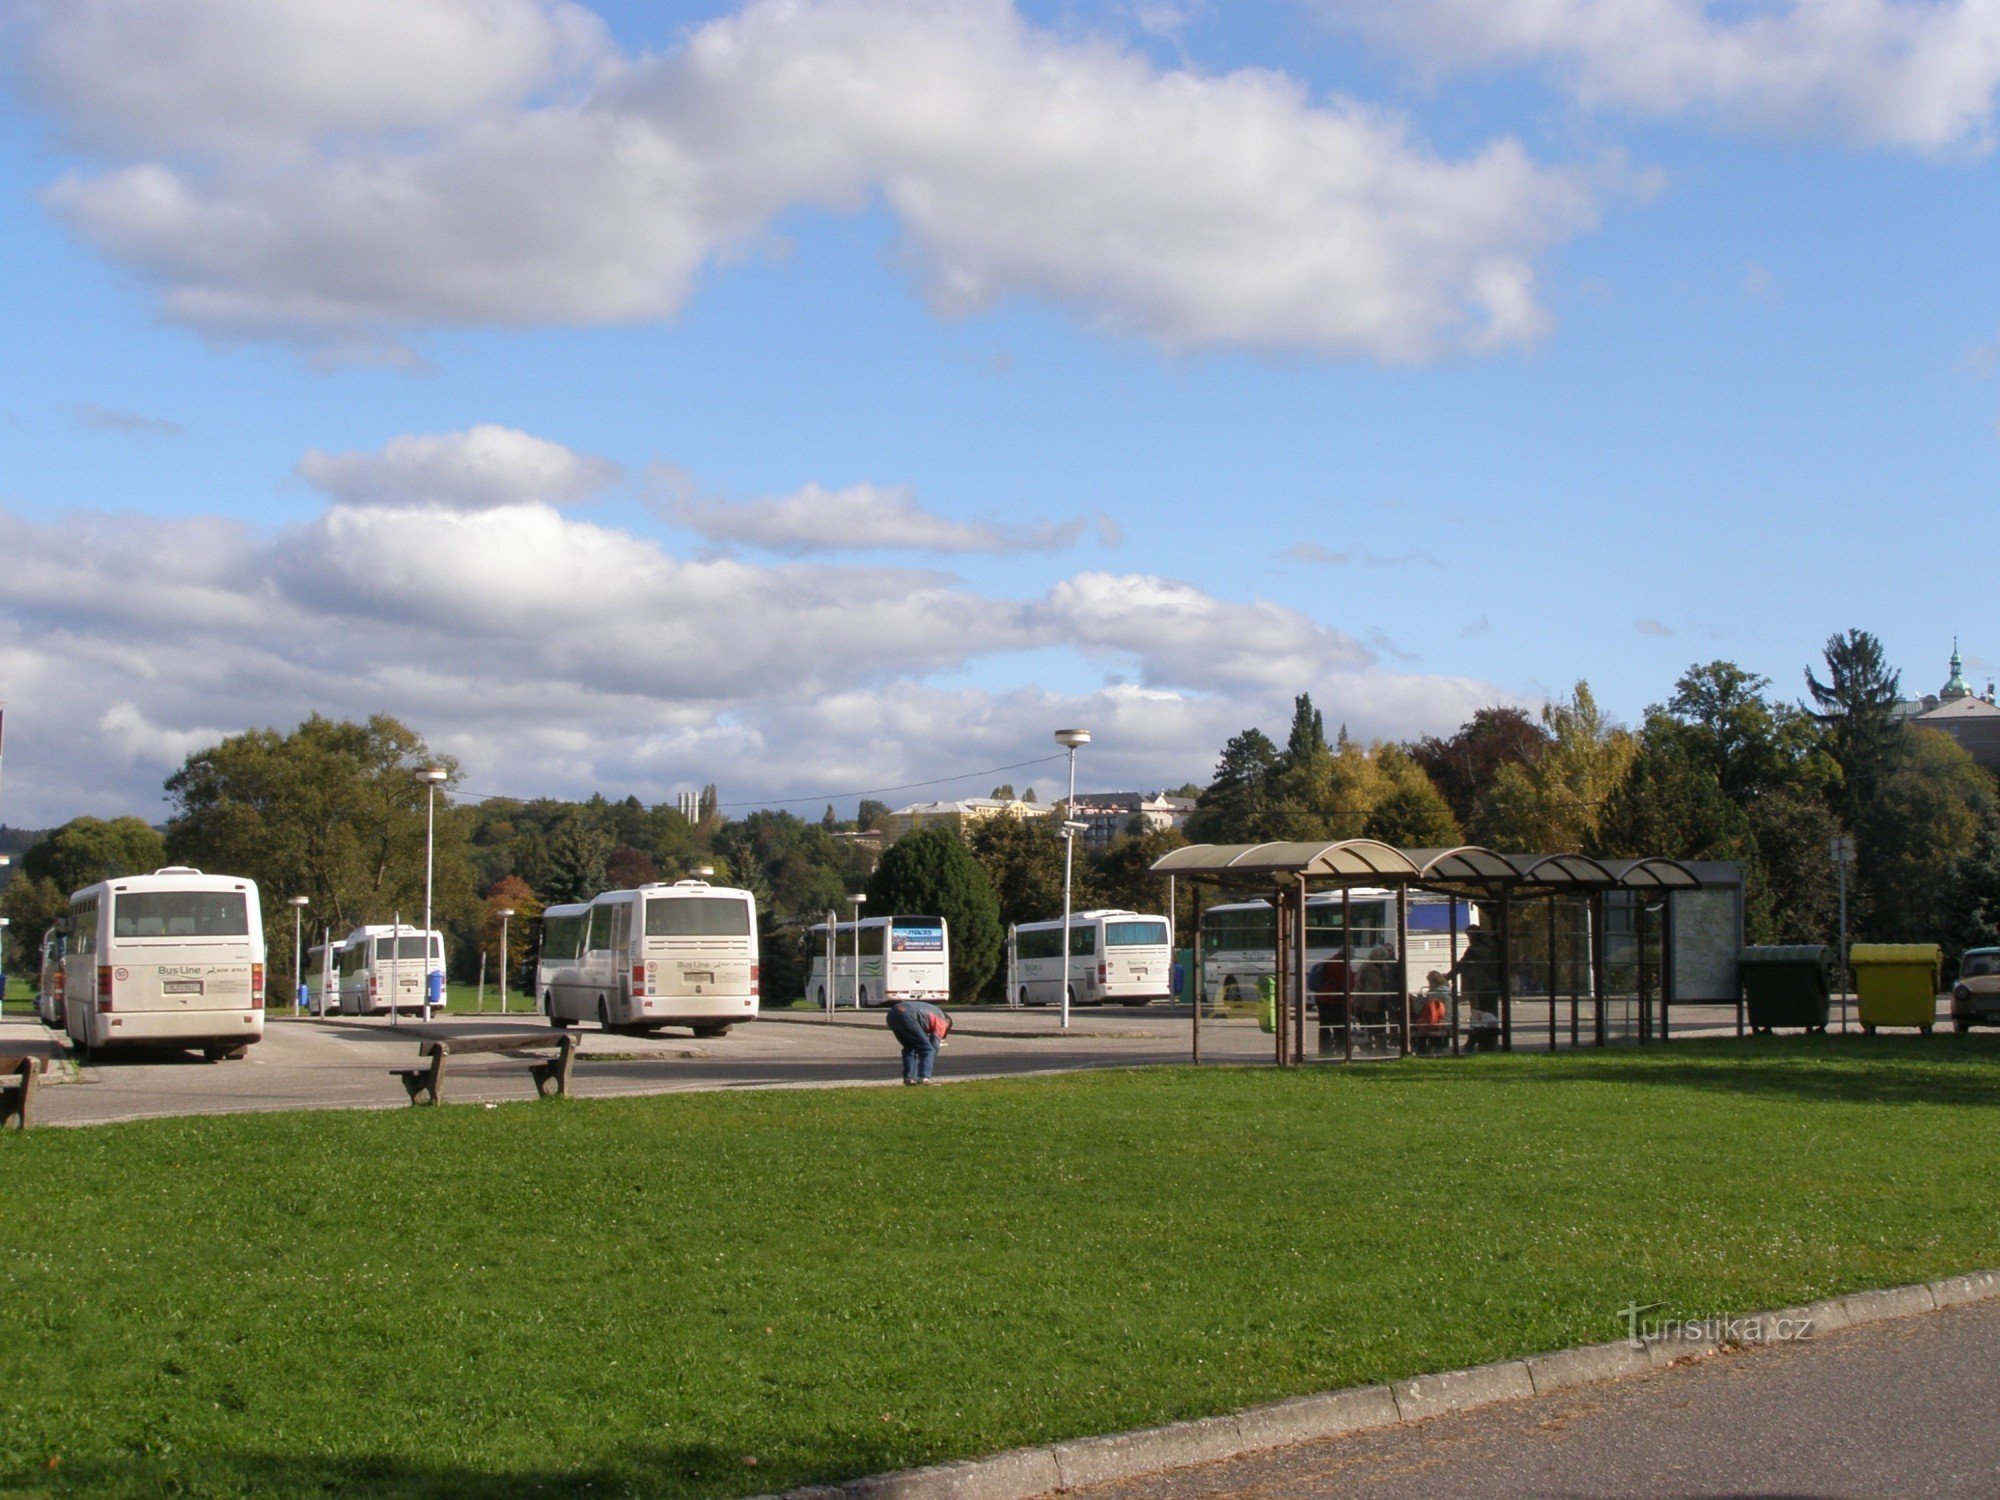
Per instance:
(1789,985)
(1896,984)
(1267,1004)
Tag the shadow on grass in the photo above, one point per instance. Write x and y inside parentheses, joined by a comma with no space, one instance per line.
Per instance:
(1957,1071)
(679,1469)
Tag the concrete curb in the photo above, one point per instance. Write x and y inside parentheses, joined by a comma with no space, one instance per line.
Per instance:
(1026,1473)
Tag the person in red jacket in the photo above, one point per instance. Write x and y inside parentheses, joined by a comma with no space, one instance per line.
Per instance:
(921,1027)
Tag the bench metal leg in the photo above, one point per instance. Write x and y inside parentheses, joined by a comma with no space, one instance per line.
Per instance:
(18,1102)
(556,1069)
(426,1085)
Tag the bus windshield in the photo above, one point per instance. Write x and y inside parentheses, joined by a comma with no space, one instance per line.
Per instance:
(174,914)
(409,950)
(1134,934)
(698,916)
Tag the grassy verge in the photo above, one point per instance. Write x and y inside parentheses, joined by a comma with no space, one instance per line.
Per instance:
(647,1295)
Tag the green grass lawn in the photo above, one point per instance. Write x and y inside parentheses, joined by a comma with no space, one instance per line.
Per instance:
(643,1296)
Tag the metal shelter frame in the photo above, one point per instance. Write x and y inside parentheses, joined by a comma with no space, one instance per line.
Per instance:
(1285,872)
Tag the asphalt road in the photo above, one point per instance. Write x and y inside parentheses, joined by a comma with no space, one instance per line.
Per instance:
(351,1063)
(1907,1407)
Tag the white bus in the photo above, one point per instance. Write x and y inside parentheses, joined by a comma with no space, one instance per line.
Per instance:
(1115,958)
(902,958)
(49,979)
(1237,939)
(386,967)
(661,955)
(175,957)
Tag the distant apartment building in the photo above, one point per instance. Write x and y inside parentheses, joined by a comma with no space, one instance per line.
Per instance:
(1110,814)
(960,817)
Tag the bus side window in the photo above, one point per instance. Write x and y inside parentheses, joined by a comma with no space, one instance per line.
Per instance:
(621,926)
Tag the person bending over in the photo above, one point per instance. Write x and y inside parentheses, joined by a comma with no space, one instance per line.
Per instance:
(921,1027)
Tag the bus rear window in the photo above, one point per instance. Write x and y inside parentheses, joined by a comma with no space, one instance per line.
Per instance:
(409,950)
(180,914)
(698,916)
(1135,934)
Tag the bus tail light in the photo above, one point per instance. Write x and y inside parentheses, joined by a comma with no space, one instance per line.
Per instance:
(1100,975)
(755,970)
(62,985)
(256,986)
(638,979)
(104,987)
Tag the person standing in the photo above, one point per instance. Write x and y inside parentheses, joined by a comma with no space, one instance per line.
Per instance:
(921,1027)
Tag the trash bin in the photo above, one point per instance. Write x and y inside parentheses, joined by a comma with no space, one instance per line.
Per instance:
(1789,985)
(434,989)
(1267,1004)
(1896,984)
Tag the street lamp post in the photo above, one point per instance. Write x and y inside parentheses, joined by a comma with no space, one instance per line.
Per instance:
(857,900)
(298,905)
(503,914)
(829,992)
(1843,856)
(1070,739)
(432,777)
(3,961)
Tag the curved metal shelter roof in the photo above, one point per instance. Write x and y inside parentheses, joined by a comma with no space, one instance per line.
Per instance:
(1469,869)
(1653,874)
(1562,872)
(1468,864)
(1338,859)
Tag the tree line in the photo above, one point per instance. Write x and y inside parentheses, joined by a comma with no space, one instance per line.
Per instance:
(1723,769)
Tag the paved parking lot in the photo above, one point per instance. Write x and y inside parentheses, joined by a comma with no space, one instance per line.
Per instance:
(350,1063)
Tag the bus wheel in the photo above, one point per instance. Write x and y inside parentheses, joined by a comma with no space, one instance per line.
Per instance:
(603,1013)
(1231,995)
(861,997)
(711,1028)
(820,999)
(561,1023)
(1024,995)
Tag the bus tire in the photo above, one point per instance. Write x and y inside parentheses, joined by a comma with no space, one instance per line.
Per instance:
(861,996)
(603,1013)
(710,1028)
(1024,996)
(821,1000)
(1231,993)
(561,1023)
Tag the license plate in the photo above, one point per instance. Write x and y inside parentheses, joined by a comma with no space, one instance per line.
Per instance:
(181,987)
(699,978)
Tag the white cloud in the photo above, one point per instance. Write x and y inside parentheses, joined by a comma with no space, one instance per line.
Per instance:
(1912,73)
(556,656)
(860,518)
(483,466)
(1191,210)
(264,76)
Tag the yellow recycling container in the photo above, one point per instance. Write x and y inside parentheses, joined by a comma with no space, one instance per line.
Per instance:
(1896,984)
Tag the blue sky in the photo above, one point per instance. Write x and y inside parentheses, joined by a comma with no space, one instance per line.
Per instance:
(823,395)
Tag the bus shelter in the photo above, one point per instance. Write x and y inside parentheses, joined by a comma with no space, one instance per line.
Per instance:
(1559,928)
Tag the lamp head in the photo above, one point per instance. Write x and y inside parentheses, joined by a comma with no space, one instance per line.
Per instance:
(435,775)
(1071,738)
(300,901)
(505,911)
(703,872)
(857,900)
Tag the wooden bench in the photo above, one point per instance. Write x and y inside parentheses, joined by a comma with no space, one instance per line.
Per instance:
(19,1077)
(426,1084)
